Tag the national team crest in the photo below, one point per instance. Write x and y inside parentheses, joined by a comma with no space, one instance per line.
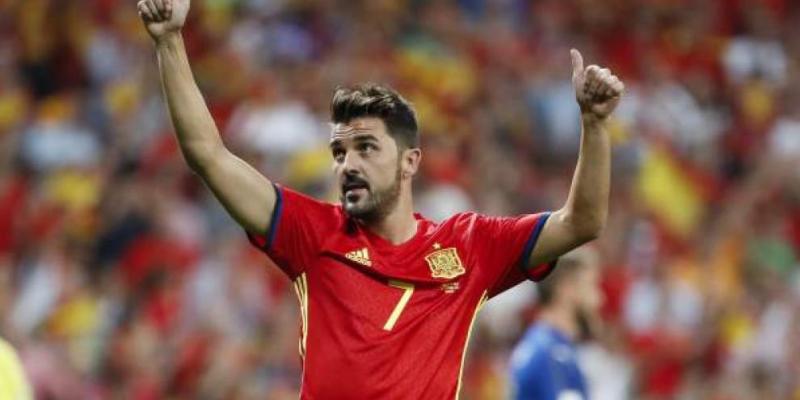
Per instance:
(445,263)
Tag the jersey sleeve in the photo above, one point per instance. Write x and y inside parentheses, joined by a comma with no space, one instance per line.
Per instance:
(298,225)
(504,245)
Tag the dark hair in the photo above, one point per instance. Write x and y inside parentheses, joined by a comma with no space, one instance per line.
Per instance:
(568,266)
(373,100)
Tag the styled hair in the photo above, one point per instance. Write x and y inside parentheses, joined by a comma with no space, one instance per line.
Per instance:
(374,100)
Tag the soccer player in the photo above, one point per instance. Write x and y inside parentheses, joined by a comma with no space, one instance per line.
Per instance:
(544,364)
(387,297)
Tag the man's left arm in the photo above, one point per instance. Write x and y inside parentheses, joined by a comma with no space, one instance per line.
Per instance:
(583,216)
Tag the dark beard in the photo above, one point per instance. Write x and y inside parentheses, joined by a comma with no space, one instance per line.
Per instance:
(585,325)
(379,204)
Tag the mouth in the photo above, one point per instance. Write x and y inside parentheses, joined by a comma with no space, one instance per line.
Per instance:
(353,191)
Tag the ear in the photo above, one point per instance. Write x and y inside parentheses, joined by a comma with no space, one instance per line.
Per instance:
(409,162)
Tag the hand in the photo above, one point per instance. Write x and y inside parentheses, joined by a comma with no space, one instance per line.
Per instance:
(597,90)
(162,17)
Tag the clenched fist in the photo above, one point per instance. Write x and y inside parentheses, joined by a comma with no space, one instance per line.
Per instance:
(161,17)
(597,90)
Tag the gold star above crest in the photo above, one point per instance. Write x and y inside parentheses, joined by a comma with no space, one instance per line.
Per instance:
(437,246)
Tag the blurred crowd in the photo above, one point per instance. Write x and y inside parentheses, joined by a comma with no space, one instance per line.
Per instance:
(121,277)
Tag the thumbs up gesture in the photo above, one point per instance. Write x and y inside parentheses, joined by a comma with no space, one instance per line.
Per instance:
(597,90)
(162,17)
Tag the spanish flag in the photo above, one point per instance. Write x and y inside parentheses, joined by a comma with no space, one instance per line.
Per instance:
(669,192)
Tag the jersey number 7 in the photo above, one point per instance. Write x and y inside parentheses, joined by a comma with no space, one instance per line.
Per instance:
(408,290)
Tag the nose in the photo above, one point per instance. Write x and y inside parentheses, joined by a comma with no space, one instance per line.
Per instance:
(351,164)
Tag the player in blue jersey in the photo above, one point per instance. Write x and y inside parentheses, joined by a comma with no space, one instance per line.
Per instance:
(544,364)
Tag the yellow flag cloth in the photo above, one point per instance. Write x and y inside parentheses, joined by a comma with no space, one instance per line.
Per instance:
(13,385)
(669,192)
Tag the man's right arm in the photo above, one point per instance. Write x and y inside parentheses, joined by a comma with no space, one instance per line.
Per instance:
(246,194)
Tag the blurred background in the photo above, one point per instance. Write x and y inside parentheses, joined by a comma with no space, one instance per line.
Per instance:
(121,277)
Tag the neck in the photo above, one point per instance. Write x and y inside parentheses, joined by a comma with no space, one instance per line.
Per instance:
(562,318)
(399,225)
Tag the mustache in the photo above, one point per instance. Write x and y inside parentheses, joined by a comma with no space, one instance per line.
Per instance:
(351,181)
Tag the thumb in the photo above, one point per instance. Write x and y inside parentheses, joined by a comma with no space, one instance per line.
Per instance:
(577,62)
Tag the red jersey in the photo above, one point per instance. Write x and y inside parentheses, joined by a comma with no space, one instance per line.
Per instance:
(384,321)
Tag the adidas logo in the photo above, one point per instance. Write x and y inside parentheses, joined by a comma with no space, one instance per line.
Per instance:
(360,256)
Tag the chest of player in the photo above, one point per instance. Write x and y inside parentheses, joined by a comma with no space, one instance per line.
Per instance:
(379,289)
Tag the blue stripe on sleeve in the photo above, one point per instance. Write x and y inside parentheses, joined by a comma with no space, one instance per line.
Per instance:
(531,243)
(276,215)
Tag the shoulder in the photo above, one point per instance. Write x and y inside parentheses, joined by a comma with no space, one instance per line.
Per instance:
(311,212)
(288,194)
(464,220)
(476,220)
(287,197)
(465,227)
(541,346)
(531,350)
(479,226)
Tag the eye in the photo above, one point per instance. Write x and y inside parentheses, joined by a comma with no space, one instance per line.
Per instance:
(366,147)
(338,155)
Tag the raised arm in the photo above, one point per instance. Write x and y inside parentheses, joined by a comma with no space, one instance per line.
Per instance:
(244,192)
(583,216)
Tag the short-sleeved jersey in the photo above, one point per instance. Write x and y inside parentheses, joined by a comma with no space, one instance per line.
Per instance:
(385,321)
(544,366)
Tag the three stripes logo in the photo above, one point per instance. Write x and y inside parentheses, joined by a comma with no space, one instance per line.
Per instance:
(360,256)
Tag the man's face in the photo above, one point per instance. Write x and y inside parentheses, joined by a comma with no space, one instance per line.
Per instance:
(367,168)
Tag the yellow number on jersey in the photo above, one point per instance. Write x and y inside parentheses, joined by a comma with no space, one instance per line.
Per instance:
(398,309)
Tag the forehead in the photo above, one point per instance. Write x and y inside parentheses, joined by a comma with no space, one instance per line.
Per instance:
(358,127)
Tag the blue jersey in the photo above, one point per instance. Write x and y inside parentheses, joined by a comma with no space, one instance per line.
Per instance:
(544,366)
